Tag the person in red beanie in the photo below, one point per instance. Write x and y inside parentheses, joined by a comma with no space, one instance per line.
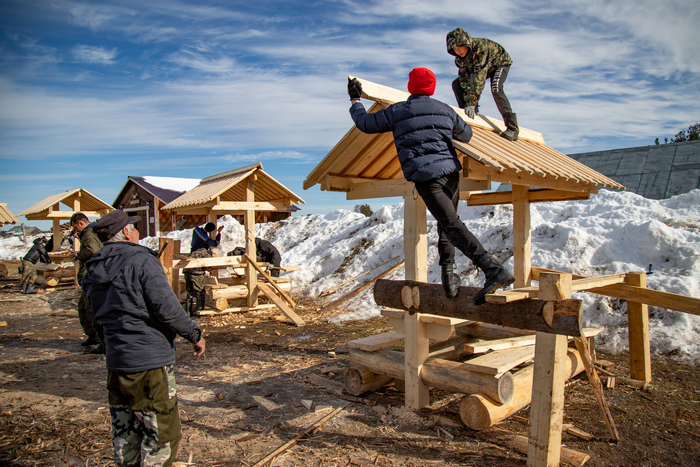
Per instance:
(423,130)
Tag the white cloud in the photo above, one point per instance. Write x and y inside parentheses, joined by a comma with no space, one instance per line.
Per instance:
(92,54)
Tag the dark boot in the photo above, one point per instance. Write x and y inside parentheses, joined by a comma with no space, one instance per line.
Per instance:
(188,305)
(99,350)
(200,304)
(91,340)
(512,130)
(450,280)
(30,289)
(497,277)
(24,288)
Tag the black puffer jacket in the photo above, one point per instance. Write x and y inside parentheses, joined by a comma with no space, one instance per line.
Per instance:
(134,309)
(423,130)
(37,253)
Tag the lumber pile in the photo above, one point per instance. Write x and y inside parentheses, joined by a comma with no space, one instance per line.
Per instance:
(490,363)
(50,275)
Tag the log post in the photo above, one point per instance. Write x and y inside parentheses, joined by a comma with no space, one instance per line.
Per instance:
(522,237)
(638,325)
(547,409)
(415,239)
(249,224)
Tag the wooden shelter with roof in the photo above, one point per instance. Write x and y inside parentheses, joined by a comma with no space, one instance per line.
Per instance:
(6,216)
(77,200)
(365,166)
(240,192)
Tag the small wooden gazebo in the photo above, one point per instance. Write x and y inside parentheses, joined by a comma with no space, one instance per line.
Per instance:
(366,166)
(6,216)
(240,191)
(77,200)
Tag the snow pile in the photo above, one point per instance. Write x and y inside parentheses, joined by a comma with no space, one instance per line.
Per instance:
(614,232)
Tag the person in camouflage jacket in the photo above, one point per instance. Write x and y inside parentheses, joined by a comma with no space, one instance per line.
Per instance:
(477,60)
(89,246)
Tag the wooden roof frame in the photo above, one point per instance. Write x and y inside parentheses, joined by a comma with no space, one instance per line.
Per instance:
(365,166)
(78,200)
(239,191)
(6,216)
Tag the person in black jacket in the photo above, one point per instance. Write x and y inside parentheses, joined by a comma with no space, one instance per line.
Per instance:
(265,252)
(37,253)
(137,317)
(423,130)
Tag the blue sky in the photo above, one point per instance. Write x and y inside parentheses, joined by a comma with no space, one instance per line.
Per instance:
(94,91)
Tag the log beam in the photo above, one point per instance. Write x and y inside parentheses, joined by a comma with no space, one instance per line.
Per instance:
(437,372)
(524,314)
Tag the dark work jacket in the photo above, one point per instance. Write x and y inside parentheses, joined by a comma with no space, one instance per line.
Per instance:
(265,252)
(37,253)
(200,239)
(134,310)
(423,130)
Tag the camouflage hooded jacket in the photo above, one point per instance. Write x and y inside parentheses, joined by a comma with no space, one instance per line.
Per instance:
(483,58)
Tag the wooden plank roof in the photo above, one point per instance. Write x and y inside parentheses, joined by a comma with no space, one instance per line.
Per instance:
(89,204)
(6,216)
(227,186)
(359,158)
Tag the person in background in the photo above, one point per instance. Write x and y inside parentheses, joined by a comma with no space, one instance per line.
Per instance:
(477,60)
(194,284)
(265,252)
(423,130)
(137,316)
(201,239)
(90,244)
(37,253)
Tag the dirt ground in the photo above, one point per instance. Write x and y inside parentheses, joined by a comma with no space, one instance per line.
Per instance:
(244,399)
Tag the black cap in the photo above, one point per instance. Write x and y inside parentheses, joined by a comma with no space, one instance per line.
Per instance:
(112,223)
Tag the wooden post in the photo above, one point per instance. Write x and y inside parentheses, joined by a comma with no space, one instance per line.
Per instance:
(521,236)
(167,248)
(249,224)
(638,327)
(547,408)
(415,238)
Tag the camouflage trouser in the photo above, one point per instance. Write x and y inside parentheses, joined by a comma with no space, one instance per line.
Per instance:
(28,273)
(194,284)
(145,417)
(85,316)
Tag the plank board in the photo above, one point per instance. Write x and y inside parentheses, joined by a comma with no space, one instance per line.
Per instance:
(377,342)
(281,304)
(500,361)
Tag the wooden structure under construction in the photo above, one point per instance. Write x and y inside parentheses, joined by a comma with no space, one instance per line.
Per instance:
(6,216)
(77,200)
(240,192)
(365,166)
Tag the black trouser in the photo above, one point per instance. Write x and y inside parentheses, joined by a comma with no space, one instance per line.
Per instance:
(441,197)
(497,79)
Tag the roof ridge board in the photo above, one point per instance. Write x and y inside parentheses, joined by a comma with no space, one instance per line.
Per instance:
(230,173)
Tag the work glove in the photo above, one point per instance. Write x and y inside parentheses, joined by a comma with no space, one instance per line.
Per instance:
(354,88)
(470,111)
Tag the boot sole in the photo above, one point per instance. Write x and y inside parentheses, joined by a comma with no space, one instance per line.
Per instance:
(480,297)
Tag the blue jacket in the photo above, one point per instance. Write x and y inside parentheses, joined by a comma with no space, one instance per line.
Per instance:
(200,239)
(423,130)
(134,310)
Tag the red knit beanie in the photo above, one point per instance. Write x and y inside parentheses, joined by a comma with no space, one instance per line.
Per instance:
(421,81)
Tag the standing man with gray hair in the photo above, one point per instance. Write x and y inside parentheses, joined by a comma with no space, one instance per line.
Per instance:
(137,316)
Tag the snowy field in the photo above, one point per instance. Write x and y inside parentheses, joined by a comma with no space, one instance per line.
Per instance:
(614,232)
